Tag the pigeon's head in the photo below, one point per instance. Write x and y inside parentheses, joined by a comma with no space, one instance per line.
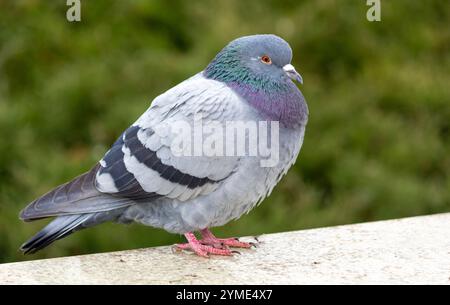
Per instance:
(256,59)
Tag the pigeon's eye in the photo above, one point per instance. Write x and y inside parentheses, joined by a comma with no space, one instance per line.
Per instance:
(266,59)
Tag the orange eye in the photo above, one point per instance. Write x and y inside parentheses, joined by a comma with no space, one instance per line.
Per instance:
(266,59)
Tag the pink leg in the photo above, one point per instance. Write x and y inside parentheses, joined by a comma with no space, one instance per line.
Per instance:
(201,249)
(209,239)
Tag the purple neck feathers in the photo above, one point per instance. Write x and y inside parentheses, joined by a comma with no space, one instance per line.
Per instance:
(286,105)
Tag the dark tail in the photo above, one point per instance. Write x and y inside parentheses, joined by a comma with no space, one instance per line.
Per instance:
(63,226)
(76,205)
(57,229)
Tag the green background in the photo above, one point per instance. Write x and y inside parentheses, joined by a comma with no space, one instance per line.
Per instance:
(377,143)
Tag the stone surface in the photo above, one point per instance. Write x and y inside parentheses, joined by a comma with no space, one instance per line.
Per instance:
(411,250)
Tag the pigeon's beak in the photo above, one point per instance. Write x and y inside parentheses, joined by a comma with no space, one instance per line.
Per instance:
(292,73)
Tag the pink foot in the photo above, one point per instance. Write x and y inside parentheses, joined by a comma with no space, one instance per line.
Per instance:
(209,239)
(201,249)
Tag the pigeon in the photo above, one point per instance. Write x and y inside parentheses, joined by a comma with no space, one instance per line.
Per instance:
(144,178)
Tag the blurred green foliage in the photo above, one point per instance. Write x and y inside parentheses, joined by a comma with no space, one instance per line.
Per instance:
(377,144)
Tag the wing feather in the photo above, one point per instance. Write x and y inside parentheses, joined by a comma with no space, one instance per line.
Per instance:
(140,165)
(142,156)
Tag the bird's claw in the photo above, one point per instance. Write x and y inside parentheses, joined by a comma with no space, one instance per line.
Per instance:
(210,244)
(202,250)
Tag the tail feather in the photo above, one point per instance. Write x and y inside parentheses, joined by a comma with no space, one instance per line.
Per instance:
(57,229)
(77,205)
(63,226)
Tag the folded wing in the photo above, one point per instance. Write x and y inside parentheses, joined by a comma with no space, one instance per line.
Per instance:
(140,166)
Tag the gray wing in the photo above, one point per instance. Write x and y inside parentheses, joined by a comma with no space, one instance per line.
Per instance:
(75,197)
(141,164)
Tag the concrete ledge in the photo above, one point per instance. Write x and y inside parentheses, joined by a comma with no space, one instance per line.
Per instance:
(411,250)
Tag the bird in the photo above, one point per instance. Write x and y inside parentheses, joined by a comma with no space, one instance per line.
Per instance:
(142,179)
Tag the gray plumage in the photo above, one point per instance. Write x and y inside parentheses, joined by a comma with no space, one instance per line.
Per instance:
(140,179)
